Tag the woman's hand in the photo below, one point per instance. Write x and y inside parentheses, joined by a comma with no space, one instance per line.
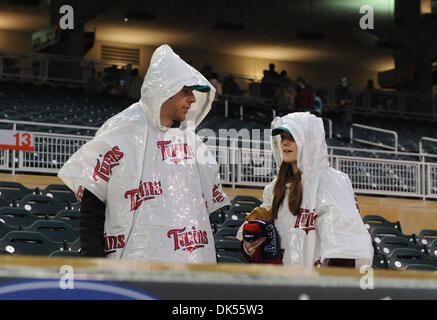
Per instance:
(251,247)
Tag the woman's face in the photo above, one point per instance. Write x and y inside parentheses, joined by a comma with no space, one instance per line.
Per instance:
(288,148)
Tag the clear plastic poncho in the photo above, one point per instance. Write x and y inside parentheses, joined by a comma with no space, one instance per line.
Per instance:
(159,184)
(329,224)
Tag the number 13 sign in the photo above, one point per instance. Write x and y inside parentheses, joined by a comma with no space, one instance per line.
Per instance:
(17,140)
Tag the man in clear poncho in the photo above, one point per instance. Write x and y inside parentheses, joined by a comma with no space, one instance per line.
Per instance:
(146,181)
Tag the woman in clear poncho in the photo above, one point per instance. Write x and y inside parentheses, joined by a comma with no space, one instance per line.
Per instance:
(311,205)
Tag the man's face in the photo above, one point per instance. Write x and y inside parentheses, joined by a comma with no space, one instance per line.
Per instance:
(176,107)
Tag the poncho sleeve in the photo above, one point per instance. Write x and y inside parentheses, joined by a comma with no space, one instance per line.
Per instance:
(340,228)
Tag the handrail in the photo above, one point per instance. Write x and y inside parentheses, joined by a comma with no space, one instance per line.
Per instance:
(395,148)
(421,145)
(47,124)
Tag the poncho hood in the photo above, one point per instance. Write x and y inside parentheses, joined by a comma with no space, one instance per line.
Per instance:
(166,76)
(309,135)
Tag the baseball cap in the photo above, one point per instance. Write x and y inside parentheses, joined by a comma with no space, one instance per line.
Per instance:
(278,130)
(200,88)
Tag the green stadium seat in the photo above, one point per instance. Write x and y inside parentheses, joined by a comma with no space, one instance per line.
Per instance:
(17,217)
(65,253)
(70,217)
(42,206)
(380,232)
(57,231)
(427,236)
(400,258)
(60,192)
(388,244)
(28,243)
(374,221)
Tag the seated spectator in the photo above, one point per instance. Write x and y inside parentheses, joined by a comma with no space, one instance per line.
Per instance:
(272,74)
(284,99)
(318,105)
(133,86)
(95,83)
(230,87)
(344,100)
(304,100)
(267,86)
(214,80)
(283,77)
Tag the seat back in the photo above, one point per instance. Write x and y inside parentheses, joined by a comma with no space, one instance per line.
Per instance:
(5,229)
(65,253)
(400,258)
(421,267)
(57,231)
(228,244)
(231,223)
(41,205)
(70,217)
(17,217)
(241,199)
(379,261)
(60,192)
(10,190)
(427,236)
(378,233)
(374,221)
(225,233)
(388,244)
(28,243)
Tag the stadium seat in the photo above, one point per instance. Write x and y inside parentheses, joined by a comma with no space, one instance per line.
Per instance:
(57,231)
(60,192)
(379,261)
(70,217)
(378,233)
(10,190)
(41,205)
(28,243)
(432,249)
(388,244)
(64,253)
(238,212)
(231,223)
(217,217)
(223,257)
(427,236)
(17,217)
(225,233)
(421,267)
(241,200)
(5,229)
(374,221)
(400,258)
(227,244)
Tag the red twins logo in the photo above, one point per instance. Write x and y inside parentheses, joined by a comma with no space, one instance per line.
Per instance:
(188,240)
(175,152)
(146,191)
(217,194)
(112,243)
(79,193)
(305,220)
(110,160)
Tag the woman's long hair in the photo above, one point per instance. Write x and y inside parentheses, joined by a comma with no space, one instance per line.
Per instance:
(285,176)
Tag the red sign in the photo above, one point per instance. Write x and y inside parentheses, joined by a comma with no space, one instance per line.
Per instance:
(17,140)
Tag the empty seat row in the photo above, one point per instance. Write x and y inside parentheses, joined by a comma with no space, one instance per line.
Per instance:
(12,192)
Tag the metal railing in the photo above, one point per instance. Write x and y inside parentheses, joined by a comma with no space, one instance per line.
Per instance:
(372,143)
(242,164)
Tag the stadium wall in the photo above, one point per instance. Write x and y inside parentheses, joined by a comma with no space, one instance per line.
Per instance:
(249,67)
